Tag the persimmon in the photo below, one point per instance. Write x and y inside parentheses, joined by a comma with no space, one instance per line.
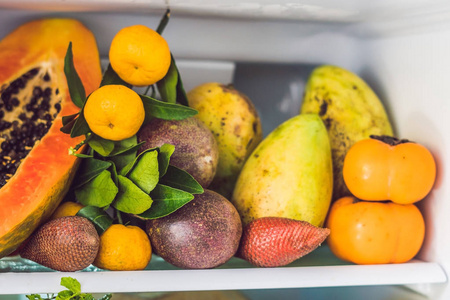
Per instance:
(386,168)
(365,232)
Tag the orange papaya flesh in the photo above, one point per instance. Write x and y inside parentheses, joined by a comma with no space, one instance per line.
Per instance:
(33,55)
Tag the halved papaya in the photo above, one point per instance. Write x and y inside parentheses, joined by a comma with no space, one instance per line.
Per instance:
(35,167)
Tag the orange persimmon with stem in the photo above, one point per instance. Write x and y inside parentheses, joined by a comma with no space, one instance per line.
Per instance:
(367,232)
(386,168)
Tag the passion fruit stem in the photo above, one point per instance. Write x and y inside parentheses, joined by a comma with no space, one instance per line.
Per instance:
(390,140)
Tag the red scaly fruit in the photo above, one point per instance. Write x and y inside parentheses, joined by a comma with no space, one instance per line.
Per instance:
(277,241)
(65,244)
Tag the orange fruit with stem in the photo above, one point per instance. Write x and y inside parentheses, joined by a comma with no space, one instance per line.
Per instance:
(114,112)
(123,248)
(139,55)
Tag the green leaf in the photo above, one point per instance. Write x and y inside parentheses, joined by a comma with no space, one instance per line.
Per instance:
(106,297)
(129,145)
(80,126)
(127,169)
(34,297)
(76,89)
(110,77)
(97,216)
(124,152)
(100,191)
(181,93)
(167,87)
(180,179)
(166,200)
(164,21)
(72,284)
(145,174)
(65,295)
(130,198)
(165,152)
(89,168)
(81,155)
(68,127)
(69,118)
(166,111)
(114,174)
(122,160)
(86,297)
(100,145)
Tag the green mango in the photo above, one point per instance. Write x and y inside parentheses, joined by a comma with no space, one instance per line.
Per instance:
(350,110)
(289,174)
(232,118)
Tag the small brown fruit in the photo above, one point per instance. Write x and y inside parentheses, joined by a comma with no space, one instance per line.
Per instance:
(277,241)
(203,234)
(65,244)
(196,150)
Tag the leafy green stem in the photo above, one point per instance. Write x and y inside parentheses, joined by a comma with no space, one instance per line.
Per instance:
(119,216)
(73,150)
(163,22)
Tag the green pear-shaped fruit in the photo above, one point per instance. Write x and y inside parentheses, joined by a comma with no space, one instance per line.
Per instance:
(234,121)
(289,174)
(350,110)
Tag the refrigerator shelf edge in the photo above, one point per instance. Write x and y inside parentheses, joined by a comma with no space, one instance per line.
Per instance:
(227,279)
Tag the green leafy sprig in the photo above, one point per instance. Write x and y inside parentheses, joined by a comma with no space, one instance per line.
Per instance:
(73,292)
(113,173)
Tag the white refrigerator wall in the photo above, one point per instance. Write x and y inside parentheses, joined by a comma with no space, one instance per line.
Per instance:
(410,72)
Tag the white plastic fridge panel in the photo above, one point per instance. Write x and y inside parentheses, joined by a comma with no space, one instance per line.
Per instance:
(411,74)
(319,10)
(228,39)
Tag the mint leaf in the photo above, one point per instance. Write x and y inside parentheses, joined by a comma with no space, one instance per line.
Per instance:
(65,295)
(72,284)
(86,297)
(34,297)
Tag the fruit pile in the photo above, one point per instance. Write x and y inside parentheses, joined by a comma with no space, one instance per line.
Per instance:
(112,176)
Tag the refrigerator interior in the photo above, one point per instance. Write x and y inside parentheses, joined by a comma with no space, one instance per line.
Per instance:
(267,50)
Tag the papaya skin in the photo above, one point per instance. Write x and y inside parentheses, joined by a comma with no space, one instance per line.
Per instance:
(288,175)
(235,124)
(43,178)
